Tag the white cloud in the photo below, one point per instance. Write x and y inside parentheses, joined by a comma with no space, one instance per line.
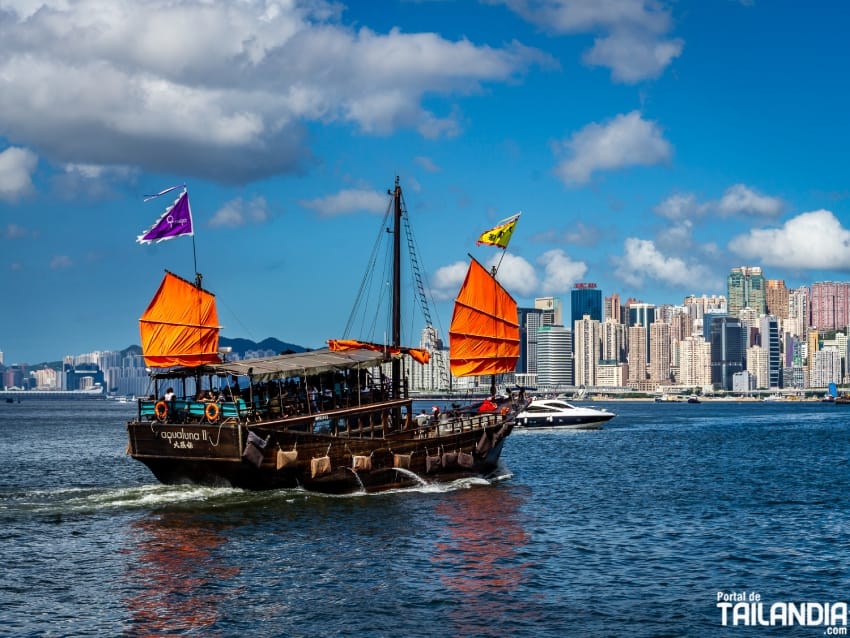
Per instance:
(627,140)
(17,166)
(238,212)
(812,240)
(60,261)
(515,274)
(643,261)
(633,57)
(446,280)
(347,201)
(681,206)
(223,90)
(560,272)
(634,45)
(742,200)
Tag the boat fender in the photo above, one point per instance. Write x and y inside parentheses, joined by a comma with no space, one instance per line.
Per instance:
(320,466)
(360,463)
(484,444)
(401,461)
(161,410)
(464,459)
(212,412)
(286,459)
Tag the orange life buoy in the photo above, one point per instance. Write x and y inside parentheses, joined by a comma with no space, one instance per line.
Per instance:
(212,412)
(161,410)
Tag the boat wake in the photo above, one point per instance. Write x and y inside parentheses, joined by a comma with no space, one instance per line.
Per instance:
(82,501)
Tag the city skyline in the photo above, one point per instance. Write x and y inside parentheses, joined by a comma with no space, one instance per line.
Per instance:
(650,146)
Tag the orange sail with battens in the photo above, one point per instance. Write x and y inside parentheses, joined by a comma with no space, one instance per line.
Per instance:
(180,326)
(484,333)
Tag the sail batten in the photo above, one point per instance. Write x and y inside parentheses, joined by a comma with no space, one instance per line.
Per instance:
(484,333)
(180,326)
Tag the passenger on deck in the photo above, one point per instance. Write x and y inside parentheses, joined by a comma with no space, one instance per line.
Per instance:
(422,419)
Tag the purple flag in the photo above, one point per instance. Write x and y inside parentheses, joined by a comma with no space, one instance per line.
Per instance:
(175,221)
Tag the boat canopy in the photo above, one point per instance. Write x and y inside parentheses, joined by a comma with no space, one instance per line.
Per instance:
(285,366)
(180,326)
(484,333)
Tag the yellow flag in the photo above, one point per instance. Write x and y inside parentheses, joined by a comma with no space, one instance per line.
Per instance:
(499,235)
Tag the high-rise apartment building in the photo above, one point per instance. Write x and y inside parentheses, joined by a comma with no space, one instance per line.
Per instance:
(554,356)
(660,357)
(776,298)
(588,348)
(614,308)
(694,362)
(829,302)
(637,354)
(641,314)
(585,299)
(757,366)
(825,368)
(745,289)
(798,312)
(613,341)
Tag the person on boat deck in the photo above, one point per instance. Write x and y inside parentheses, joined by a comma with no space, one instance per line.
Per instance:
(435,414)
(314,395)
(169,395)
(422,419)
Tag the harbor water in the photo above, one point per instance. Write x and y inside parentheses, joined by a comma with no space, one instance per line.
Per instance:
(643,528)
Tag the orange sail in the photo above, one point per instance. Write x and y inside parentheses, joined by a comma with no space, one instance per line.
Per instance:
(341,345)
(180,326)
(484,333)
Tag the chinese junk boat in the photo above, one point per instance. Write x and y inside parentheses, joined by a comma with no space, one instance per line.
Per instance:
(327,420)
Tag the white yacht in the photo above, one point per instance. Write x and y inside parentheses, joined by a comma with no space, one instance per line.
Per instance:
(559,414)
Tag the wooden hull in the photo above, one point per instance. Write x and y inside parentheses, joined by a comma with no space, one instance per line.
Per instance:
(339,462)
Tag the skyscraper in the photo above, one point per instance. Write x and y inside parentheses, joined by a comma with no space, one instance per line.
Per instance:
(588,347)
(585,299)
(727,350)
(554,356)
(769,331)
(745,289)
(529,322)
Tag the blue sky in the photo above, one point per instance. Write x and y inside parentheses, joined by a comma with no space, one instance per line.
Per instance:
(651,146)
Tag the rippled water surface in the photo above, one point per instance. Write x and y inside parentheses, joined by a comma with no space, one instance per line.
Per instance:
(627,531)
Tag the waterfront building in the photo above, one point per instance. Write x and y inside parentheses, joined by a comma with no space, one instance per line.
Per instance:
(743,382)
(555,354)
(660,352)
(839,342)
(613,340)
(611,374)
(770,342)
(551,311)
(727,350)
(825,367)
(828,304)
(694,362)
(530,319)
(757,366)
(641,314)
(585,299)
(637,355)
(745,289)
(588,349)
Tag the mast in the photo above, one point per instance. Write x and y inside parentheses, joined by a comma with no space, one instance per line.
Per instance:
(396,307)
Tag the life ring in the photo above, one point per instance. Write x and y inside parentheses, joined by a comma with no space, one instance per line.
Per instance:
(212,412)
(161,410)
